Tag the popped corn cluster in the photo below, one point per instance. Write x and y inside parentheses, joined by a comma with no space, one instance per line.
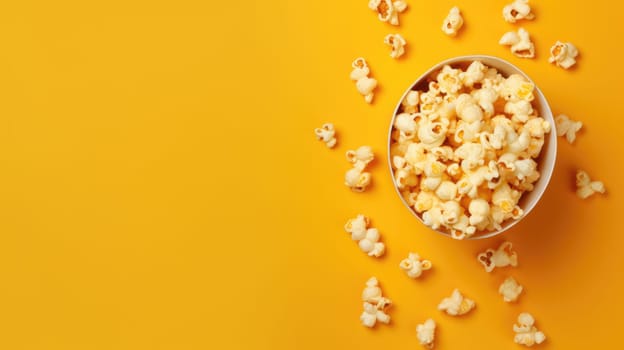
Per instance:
(463,152)
(426,333)
(585,187)
(563,54)
(568,127)
(387,10)
(453,22)
(327,134)
(396,43)
(363,83)
(526,333)
(414,266)
(367,238)
(501,257)
(456,304)
(520,43)
(510,290)
(356,178)
(375,304)
(517,10)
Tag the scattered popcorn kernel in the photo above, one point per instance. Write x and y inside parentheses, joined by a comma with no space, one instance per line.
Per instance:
(414,266)
(387,10)
(356,178)
(517,10)
(327,134)
(361,157)
(426,333)
(563,54)
(526,333)
(453,22)
(375,304)
(520,43)
(456,304)
(368,238)
(568,127)
(501,257)
(397,43)
(585,187)
(510,290)
(364,84)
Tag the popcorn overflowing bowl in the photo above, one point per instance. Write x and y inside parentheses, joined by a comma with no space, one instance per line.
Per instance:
(472,146)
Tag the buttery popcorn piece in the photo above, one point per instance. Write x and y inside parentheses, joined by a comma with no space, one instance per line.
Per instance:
(456,304)
(426,333)
(364,84)
(368,238)
(568,127)
(510,290)
(585,187)
(563,54)
(413,265)
(520,43)
(501,257)
(387,10)
(517,10)
(356,178)
(453,22)
(526,333)
(375,304)
(327,134)
(397,43)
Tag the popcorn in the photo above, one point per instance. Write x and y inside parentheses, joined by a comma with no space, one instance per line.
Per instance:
(510,290)
(526,333)
(364,84)
(456,304)
(520,43)
(585,187)
(517,10)
(356,178)
(387,10)
(501,257)
(464,151)
(453,22)
(568,127)
(563,54)
(368,238)
(425,333)
(397,43)
(414,266)
(327,134)
(375,304)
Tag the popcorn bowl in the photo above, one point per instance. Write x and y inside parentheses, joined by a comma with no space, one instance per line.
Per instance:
(545,161)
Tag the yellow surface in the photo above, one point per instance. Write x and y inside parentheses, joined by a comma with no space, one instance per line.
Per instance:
(161,186)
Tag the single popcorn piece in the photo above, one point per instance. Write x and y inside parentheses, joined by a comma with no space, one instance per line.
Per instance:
(563,54)
(568,127)
(387,10)
(397,43)
(501,257)
(375,304)
(510,290)
(456,304)
(414,266)
(585,187)
(426,333)
(327,134)
(526,333)
(517,10)
(453,22)
(367,238)
(520,43)
(356,178)
(364,84)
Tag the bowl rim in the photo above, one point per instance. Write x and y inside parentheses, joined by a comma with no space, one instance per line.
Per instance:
(546,170)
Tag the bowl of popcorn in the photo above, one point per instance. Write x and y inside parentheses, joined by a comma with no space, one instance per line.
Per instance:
(471,148)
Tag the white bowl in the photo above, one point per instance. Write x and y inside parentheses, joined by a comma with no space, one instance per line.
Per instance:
(546,160)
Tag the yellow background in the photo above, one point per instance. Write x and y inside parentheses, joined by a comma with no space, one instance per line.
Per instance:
(161,186)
